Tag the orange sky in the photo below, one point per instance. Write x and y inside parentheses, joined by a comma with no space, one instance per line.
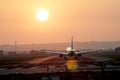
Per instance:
(86,20)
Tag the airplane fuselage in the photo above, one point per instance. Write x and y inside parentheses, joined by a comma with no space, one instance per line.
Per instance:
(71,53)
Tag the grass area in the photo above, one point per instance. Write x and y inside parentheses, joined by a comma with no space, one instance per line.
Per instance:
(115,56)
(109,55)
(9,60)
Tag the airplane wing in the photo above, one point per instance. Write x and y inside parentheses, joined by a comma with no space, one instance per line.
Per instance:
(87,51)
(64,53)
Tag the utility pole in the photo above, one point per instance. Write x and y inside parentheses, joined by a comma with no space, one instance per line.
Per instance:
(15,45)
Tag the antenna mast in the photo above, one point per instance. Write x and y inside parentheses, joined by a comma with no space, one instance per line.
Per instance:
(72,43)
(15,45)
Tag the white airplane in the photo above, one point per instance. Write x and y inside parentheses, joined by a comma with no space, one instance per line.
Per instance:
(71,52)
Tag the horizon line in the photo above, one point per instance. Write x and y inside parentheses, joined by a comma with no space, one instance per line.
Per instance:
(55,42)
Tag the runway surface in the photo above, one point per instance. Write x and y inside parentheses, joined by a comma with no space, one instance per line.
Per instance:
(60,61)
(56,64)
(40,60)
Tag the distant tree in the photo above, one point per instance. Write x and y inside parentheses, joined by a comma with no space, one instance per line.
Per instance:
(117,49)
(12,53)
(34,52)
(1,52)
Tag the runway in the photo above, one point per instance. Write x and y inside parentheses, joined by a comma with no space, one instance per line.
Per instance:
(40,60)
(60,61)
(85,62)
(56,64)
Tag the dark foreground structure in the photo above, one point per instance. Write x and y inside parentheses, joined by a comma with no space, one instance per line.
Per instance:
(83,75)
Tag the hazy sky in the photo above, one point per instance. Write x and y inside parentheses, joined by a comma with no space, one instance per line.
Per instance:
(86,20)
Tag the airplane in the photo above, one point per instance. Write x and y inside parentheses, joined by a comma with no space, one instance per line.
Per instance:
(72,52)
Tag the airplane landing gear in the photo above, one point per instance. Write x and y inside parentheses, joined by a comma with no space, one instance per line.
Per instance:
(61,55)
(65,57)
(79,55)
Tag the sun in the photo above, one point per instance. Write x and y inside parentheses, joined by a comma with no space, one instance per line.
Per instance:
(42,15)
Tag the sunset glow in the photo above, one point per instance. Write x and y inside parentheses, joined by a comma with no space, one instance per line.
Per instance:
(42,15)
(53,21)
